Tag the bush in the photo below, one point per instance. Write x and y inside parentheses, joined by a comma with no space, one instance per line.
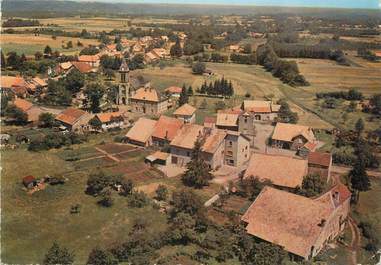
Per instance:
(138,199)
(198,68)
(343,156)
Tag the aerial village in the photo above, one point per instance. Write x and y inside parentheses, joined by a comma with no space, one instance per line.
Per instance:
(248,153)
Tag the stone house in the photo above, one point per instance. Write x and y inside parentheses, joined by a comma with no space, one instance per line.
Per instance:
(111,120)
(300,225)
(165,130)
(186,113)
(74,120)
(262,110)
(141,132)
(293,137)
(220,147)
(92,60)
(148,100)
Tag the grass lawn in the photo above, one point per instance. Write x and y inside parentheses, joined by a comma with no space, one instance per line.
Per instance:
(30,223)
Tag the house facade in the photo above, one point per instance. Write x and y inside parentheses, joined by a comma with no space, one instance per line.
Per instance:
(74,120)
(147,100)
(293,137)
(111,120)
(186,113)
(261,110)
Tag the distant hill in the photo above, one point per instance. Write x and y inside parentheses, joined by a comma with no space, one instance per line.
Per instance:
(55,8)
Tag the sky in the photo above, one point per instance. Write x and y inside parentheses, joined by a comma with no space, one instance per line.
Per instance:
(373,4)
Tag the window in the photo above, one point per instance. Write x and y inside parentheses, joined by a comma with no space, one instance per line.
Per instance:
(246,147)
(245,120)
(230,143)
(188,153)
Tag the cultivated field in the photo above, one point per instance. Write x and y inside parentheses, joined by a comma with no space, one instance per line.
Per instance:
(325,75)
(29,44)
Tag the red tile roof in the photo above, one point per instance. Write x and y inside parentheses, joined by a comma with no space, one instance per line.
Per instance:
(88,58)
(106,117)
(28,179)
(70,115)
(320,158)
(174,90)
(167,128)
(185,110)
(22,104)
(82,67)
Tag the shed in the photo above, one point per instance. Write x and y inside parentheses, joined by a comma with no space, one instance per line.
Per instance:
(158,158)
(29,181)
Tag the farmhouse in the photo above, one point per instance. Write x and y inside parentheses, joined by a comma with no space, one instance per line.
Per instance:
(141,132)
(111,120)
(62,68)
(32,111)
(83,67)
(186,113)
(320,163)
(293,137)
(12,85)
(165,130)
(183,143)
(262,110)
(148,101)
(150,57)
(173,91)
(92,60)
(227,120)
(35,84)
(219,147)
(282,171)
(302,226)
(73,119)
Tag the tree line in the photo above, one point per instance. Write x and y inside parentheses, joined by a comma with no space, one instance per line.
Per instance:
(286,71)
(220,87)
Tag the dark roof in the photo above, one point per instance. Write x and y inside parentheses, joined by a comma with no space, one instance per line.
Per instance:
(28,179)
(319,158)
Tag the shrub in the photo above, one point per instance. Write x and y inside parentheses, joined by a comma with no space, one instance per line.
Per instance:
(138,199)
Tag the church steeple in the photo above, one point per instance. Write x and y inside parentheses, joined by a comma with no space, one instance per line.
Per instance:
(124,70)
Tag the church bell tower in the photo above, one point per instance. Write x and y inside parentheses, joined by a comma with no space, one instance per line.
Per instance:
(124,84)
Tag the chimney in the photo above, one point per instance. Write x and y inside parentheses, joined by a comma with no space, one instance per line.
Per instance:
(166,134)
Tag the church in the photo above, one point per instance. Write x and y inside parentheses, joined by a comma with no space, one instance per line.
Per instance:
(141,98)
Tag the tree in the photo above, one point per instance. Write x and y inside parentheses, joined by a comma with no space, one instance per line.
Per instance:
(38,56)
(375,104)
(3,62)
(75,80)
(312,185)
(247,48)
(198,172)
(48,50)
(285,114)
(96,182)
(94,93)
(106,199)
(176,50)
(69,44)
(13,60)
(359,178)
(161,193)
(198,68)
(252,186)
(46,120)
(182,230)
(58,255)
(95,123)
(127,187)
(359,126)
(18,116)
(187,201)
(99,256)
(109,73)
(183,96)
(3,105)
(190,91)
(138,199)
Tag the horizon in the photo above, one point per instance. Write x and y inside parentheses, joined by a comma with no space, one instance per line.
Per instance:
(348,4)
